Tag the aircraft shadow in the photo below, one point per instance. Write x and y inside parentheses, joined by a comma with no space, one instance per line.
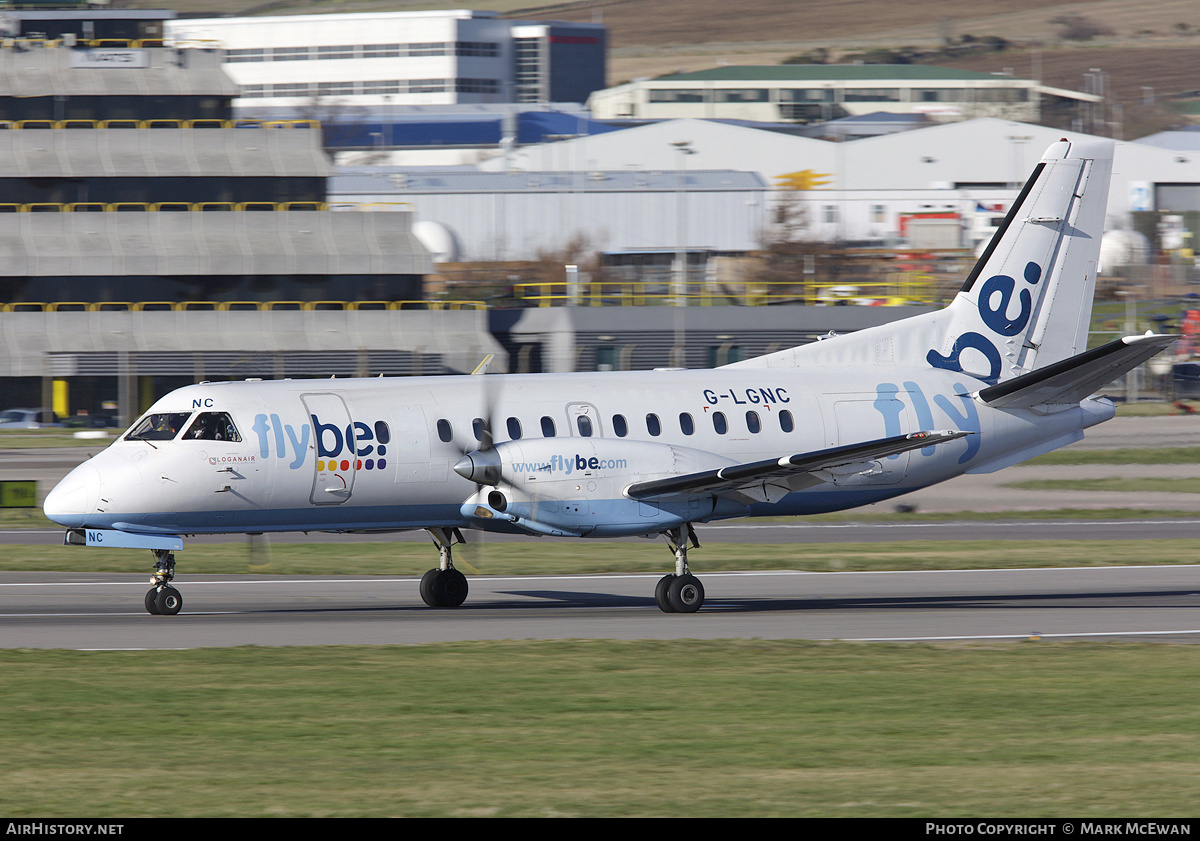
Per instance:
(1167,599)
(1185,599)
(1188,599)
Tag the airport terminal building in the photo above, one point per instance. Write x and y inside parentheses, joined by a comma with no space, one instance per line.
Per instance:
(149,239)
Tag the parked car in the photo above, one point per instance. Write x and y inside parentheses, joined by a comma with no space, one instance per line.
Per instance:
(101,420)
(1186,379)
(26,418)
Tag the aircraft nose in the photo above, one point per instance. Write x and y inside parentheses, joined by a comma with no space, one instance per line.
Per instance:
(74,497)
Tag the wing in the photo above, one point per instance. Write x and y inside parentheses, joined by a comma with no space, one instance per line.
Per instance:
(1072,380)
(737,476)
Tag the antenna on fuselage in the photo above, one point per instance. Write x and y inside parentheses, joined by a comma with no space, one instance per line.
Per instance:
(482,367)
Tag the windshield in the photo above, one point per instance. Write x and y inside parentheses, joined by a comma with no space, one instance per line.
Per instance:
(213,426)
(162,426)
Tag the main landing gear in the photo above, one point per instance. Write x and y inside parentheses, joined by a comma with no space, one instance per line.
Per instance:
(162,599)
(444,586)
(681,592)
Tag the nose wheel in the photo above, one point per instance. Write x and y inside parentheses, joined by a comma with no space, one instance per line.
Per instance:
(162,599)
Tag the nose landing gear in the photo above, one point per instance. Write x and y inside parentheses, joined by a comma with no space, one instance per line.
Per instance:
(162,599)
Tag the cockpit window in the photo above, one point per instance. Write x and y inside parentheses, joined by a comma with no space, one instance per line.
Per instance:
(213,426)
(162,426)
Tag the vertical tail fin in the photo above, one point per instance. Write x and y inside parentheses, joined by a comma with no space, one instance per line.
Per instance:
(1026,304)
(1028,301)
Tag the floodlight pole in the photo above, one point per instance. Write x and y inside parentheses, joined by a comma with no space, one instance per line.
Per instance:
(683,148)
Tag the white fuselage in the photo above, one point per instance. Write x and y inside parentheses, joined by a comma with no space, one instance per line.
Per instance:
(373,454)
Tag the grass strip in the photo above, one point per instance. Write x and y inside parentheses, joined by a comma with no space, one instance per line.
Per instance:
(1111,483)
(583,729)
(1130,455)
(534,557)
(32,518)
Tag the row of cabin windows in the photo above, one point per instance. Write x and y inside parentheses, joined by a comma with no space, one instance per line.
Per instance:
(620,426)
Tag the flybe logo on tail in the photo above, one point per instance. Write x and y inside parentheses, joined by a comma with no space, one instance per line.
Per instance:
(366,444)
(995,300)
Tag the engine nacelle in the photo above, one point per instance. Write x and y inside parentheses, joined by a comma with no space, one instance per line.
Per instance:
(574,486)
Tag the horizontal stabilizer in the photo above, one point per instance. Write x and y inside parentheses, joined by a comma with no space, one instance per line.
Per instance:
(1074,379)
(741,475)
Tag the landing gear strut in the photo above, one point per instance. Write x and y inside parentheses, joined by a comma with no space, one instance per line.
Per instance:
(681,592)
(162,599)
(444,586)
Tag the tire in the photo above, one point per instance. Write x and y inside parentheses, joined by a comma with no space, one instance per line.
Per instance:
(450,588)
(152,601)
(169,602)
(660,594)
(686,594)
(427,587)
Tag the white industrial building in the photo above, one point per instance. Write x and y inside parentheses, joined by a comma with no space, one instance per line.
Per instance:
(482,216)
(863,187)
(401,58)
(818,92)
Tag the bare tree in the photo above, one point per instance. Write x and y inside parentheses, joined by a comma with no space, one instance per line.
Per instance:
(1073,27)
(788,251)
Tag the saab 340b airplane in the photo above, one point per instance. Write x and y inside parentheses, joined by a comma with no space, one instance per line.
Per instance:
(1000,375)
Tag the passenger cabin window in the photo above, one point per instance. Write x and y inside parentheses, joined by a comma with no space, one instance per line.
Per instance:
(584,424)
(653,426)
(514,429)
(547,426)
(445,431)
(479,427)
(785,421)
(213,426)
(719,423)
(753,423)
(686,426)
(620,427)
(161,426)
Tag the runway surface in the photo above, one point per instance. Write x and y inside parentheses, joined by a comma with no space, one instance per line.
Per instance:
(104,611)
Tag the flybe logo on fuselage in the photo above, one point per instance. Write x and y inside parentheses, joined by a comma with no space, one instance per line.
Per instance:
(363,442)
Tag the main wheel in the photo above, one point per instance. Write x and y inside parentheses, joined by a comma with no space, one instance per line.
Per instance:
(660,594)
(449,588)
(685,594)
(169,602)
(152,601)
(427,587)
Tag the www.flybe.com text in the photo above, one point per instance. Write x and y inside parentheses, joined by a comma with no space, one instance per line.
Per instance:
(569,463)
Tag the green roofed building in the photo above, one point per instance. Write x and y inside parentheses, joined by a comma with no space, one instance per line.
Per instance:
(803,93)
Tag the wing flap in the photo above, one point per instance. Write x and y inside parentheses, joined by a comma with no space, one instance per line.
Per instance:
(1074,379)
(741,475)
